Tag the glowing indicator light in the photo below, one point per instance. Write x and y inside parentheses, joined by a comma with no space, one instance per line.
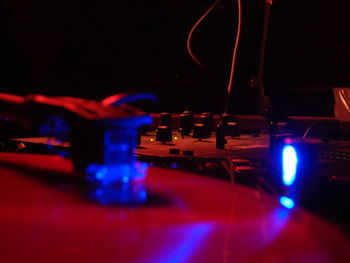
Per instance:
(174,166)
(125,179)
(104,175)
(151,140)
(287,202)
(289,162)
(99,175)
(176,138)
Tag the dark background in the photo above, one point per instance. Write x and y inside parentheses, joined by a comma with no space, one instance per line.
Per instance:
(93,49)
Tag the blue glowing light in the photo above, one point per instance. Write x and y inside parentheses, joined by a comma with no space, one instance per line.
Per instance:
(125,194)
(54,126)
(104,175)
(174,166)
(99,175)
(289,162)
(287,202)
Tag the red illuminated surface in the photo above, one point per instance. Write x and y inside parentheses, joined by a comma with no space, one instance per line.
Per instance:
(190,219)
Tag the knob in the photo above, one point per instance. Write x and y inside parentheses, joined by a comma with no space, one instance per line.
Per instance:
(163,134)
(186,122)
(166,119)
(207,119)
(227,117)
(232,129)
(200,131)
(188,112)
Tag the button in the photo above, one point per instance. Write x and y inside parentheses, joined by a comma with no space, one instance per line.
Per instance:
(174,151)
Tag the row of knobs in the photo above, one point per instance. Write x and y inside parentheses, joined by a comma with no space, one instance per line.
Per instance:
(201,130)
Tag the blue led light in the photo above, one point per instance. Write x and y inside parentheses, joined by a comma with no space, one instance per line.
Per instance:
(125,194)
(289,162)
(174,166)
(99,175)
(104,175)
(287,202)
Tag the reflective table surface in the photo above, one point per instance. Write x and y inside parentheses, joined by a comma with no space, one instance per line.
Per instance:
(47,215)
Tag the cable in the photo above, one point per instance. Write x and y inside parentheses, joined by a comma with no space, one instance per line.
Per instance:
(229,168)
(306,134)
(315,124)
(234,56)
(189,37)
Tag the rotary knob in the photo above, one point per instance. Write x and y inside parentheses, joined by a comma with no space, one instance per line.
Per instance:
(186,122)
(232,129)
(200,131)
(207,119)
(227,117)
(163,134)
(166,119)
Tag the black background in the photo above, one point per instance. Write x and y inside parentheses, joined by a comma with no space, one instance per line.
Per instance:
(93,49)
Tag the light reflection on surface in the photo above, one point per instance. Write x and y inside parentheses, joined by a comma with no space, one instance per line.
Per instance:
(187,241)
(287,202)
(246,239)
(277,221)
